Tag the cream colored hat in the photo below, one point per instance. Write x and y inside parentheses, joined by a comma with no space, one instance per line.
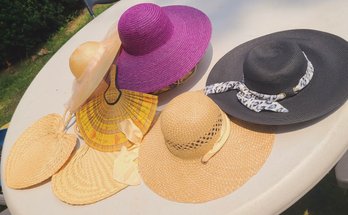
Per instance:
(39,152)
(89,63)
(194,153)
(87,178)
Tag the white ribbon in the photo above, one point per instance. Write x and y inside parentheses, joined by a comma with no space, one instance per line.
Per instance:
(224,135)
(258,101)
(126,166)
(131,131)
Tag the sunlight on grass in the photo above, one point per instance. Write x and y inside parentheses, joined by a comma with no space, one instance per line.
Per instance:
(16,79)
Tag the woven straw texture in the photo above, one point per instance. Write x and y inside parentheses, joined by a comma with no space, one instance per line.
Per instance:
(87,178)
(176,83)
(95,71)
(98,121)
(160,45)
(181,176)
(40,151)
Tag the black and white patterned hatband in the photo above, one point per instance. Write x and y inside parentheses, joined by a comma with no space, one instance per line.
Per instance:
(258,101)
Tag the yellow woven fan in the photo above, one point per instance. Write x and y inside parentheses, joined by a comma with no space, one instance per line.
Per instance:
(116,118)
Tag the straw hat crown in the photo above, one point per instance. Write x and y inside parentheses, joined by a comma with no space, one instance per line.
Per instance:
(191,124)
(143,28)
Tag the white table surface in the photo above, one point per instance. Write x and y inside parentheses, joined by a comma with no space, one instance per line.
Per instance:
(301,155)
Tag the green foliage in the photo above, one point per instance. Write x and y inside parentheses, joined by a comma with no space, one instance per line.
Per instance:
(15,79)
(26,24)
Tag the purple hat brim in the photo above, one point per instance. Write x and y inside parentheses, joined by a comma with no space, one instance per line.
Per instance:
(171,61)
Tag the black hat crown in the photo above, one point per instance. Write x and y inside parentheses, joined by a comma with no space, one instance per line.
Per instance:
(274,67)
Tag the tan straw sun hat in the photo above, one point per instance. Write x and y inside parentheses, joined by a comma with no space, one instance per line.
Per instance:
(87,178)
(194,153)
(40,151)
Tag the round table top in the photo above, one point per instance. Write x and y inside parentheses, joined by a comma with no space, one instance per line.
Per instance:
(301,156)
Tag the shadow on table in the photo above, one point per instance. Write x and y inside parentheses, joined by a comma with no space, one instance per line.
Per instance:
(297,126)
(325,198)
(202,69)
(281,128)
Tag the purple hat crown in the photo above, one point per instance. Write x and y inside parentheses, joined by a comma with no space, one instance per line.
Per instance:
(143,28)
(160,45)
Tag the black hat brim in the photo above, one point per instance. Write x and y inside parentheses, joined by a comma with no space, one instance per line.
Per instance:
(327,90)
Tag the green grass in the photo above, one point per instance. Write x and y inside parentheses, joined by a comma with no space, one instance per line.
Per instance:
(16,79)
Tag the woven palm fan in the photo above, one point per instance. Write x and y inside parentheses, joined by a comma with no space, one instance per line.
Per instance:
(44,147)
(40,151)
(87,178)
(116,118)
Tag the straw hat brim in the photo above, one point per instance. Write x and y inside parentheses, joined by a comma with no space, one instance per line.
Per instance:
(327,90)
(40,151)
(87,178)
(171,61)
(98,122)
(182,180)
(90,80)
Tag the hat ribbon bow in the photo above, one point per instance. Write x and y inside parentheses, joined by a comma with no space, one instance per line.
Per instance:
(256,101)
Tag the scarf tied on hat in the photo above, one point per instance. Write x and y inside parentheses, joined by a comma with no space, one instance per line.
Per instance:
(258,101)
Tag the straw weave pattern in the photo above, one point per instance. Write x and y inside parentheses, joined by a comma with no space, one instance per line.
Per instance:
(40,151)
(189,180)
(205,139)
(159,68)
(141,34)
(193,127)
(175,84)
(87,178)
(98,121)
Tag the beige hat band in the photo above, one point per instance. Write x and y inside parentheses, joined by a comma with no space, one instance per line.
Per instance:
(224,134)
(177,83)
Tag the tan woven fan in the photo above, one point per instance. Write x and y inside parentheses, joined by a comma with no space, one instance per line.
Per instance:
(87,178)
(40,151)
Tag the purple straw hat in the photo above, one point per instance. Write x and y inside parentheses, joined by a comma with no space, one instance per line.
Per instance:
(160,45)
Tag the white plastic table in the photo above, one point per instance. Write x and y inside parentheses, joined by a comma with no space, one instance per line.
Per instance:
(301,155)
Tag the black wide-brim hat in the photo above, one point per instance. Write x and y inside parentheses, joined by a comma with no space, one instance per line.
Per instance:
(327,90)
